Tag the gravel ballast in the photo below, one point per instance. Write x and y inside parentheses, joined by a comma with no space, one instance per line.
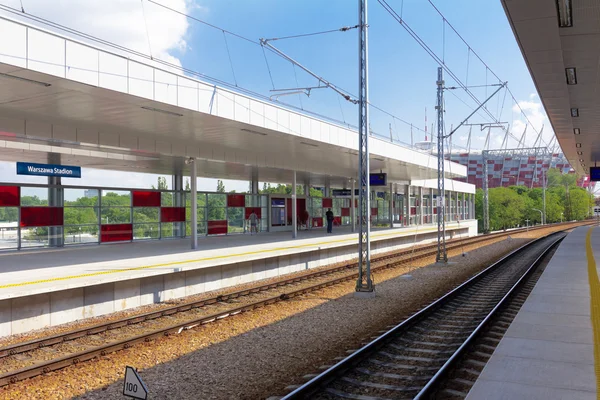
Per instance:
(256,354)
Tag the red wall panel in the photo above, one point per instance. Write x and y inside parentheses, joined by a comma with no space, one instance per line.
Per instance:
(116,233)
(373,211)
(10,196)
(172,214)
(145,199)
(41,216)
(317,222)
(236,200)
(345,212)
(249,210)
(217,227)
(327,203)
(337,221)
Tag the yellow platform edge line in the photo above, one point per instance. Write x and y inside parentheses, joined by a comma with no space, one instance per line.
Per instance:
(248,253)
(594,305)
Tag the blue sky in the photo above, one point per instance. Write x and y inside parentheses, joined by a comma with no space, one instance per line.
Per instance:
(401,74)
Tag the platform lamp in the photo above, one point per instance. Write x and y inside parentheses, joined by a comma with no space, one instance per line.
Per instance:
(541,215)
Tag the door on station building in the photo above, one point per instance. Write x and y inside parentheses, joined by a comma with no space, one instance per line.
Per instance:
(300,208)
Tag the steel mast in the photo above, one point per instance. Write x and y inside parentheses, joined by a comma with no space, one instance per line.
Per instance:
(364,282)
(442,255)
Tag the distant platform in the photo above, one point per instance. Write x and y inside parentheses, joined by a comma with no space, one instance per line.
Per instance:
(88,281)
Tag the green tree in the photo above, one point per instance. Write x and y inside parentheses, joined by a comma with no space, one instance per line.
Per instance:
(220,186)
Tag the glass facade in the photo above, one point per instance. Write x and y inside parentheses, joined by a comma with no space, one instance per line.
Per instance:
(49,216)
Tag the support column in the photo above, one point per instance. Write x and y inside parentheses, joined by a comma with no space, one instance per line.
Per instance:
(194,202)
(254,182)
(327,190)
(391,206)
(353,206)
(462,209)
(178,201)
(407,204)
(431,206)
(55,199)
(294,208)
(307,188)
(420,205)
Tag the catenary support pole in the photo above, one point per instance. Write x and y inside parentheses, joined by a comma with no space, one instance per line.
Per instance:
(364,282)
(194,202)
(391,205)
(442,255)
(294,208)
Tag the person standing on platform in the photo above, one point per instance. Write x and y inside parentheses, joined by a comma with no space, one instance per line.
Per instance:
(253,218)
(329,215)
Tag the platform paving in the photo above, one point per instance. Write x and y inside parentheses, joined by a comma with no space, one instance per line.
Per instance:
(30,272)
(548,351)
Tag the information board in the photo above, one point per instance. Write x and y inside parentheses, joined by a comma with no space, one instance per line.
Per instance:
(379,179)
(594,174)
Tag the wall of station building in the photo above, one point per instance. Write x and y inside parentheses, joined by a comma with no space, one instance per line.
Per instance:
(54,216)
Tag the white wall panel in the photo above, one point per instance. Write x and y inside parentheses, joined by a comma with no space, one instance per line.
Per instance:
(205,95)
(294,127)
(325,128)
(165,87)
(305,126)
(14,50)
(225,107)
(113,72)
(270,114)
(187,93)
(315,129)
(82,63)
(46,53)
(141,80)
(242,108)
(257,113)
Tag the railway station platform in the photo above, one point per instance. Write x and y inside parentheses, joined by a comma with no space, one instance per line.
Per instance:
(549,350)
(40,288)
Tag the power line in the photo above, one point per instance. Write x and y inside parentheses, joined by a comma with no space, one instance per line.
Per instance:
(486,65)
(344,29)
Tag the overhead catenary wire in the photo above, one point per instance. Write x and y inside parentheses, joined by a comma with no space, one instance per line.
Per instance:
(343,29)
(146,25)
(229,55)
(485,64)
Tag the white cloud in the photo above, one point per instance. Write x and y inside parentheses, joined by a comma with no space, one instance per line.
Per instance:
(534,110)
(122,22)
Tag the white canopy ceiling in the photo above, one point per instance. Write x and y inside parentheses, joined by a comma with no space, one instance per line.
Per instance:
(102,110)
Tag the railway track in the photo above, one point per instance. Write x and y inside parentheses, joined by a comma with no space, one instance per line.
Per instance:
(416,359)
(28,359)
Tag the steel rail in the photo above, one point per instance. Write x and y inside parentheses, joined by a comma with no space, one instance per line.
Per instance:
(314,385)
(139,318)
(434,382)
(75,358)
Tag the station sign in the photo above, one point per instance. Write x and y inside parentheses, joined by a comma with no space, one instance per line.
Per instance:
(63,171)
(597,211)
(594,174)
(277,202)
(133,386)
(379,179)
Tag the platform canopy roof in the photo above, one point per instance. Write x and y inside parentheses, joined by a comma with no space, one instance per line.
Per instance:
(66,100)
(560,41)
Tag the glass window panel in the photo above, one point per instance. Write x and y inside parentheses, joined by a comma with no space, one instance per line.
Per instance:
(10,196)
(172,199)
(81,234)
(145,214)
(116,215)
(116,198)
(38,237)
(9,216)
(201,199)
(146,231)
(201,228)
(80,215)
(201,214)
(216,214)
(81,197)
(34,196)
